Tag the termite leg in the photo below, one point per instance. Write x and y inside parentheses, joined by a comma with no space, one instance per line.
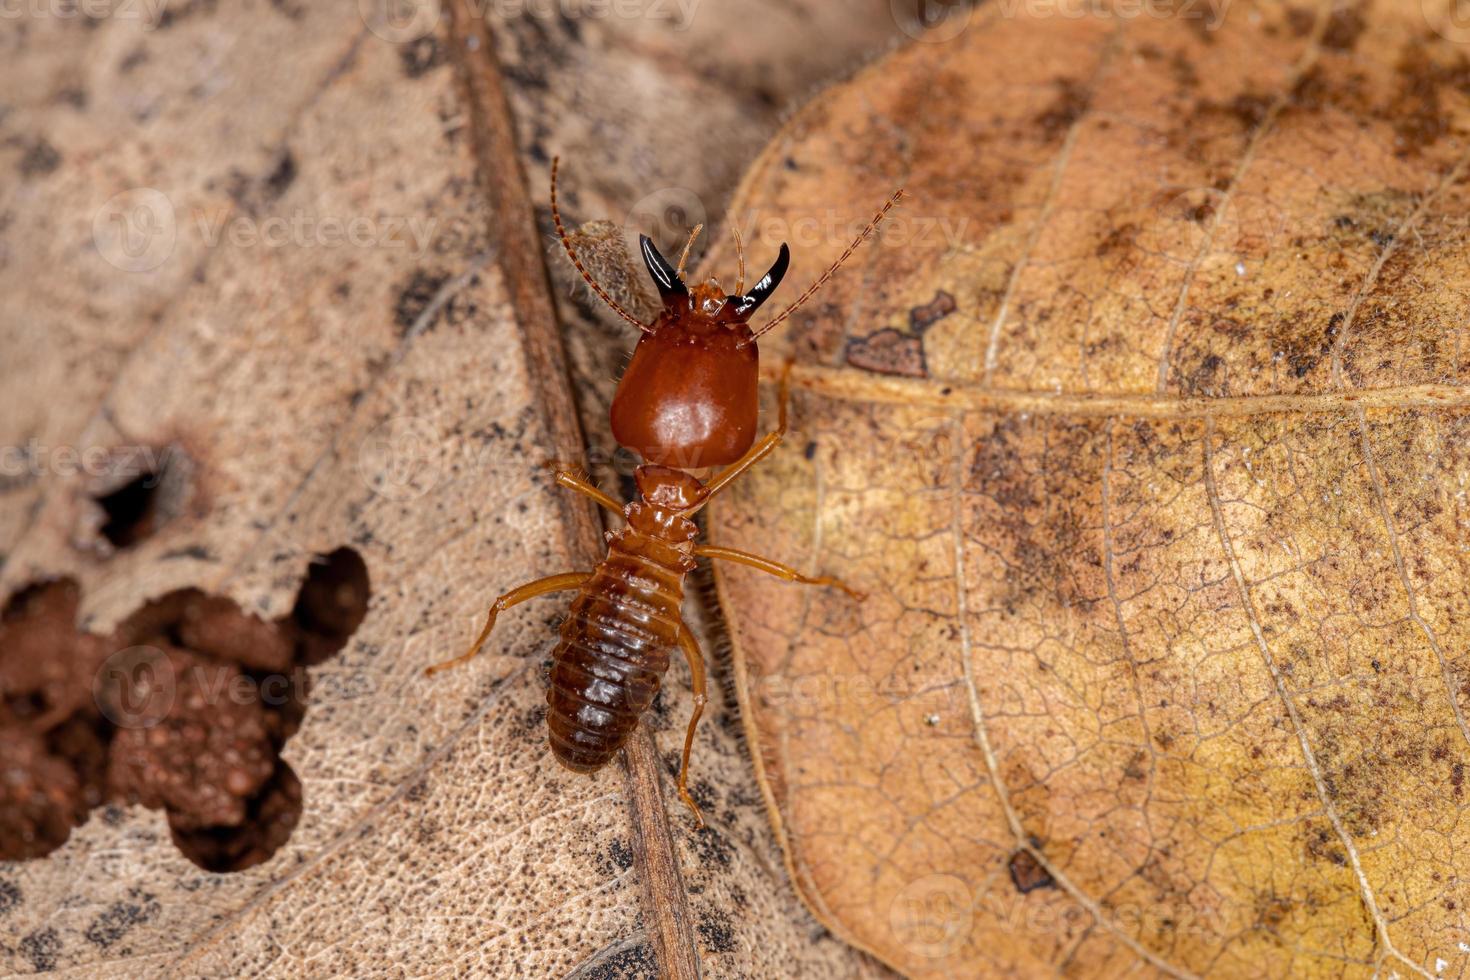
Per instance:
(570,480)
(695,656)
(757,452)
(552,583)
(773,567)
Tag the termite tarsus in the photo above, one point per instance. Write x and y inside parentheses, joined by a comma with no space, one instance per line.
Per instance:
(689,397)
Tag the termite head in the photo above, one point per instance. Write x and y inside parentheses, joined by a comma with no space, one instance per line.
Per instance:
(707,303)
(689,396)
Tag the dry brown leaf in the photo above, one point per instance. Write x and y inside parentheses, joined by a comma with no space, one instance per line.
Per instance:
(384,396)
(1145,425)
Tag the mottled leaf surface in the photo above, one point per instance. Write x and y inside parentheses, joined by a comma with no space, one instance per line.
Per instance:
(372,392)
(1144,424)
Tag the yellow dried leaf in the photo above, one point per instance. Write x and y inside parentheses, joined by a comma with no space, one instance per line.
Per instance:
(1144,425)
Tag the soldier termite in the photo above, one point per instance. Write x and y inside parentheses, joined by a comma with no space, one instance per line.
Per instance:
(689,398)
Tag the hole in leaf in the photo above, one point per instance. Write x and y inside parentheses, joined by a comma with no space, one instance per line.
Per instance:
(143,489)
(332,603)
(130,511)
(185,707)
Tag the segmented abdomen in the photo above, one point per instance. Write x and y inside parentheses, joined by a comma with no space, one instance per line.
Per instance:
(613,652)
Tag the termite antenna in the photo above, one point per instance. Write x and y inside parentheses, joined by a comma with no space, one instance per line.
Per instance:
(872,225)
(566,243)
(684,255)
(739,261)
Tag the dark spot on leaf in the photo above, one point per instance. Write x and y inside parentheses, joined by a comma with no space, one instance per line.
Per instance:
(9,897)
(888,351)
(118,918)
(422,56)
(1250,108)
(1344,26)
(1200,213)
(414,298)
(132,59)
(716,931)
(281,177)
(711,844)
(1300,21)
(922,317)
(1071,102)
(1027,873)
(1123,236)
(633,963)
(41,948)
(1417,111)
(175,11)
(39,159)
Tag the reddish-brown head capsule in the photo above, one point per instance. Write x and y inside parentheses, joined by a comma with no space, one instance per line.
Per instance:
(689,396)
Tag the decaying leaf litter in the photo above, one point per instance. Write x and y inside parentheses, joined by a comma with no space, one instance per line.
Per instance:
(1145,426)
(403,854)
